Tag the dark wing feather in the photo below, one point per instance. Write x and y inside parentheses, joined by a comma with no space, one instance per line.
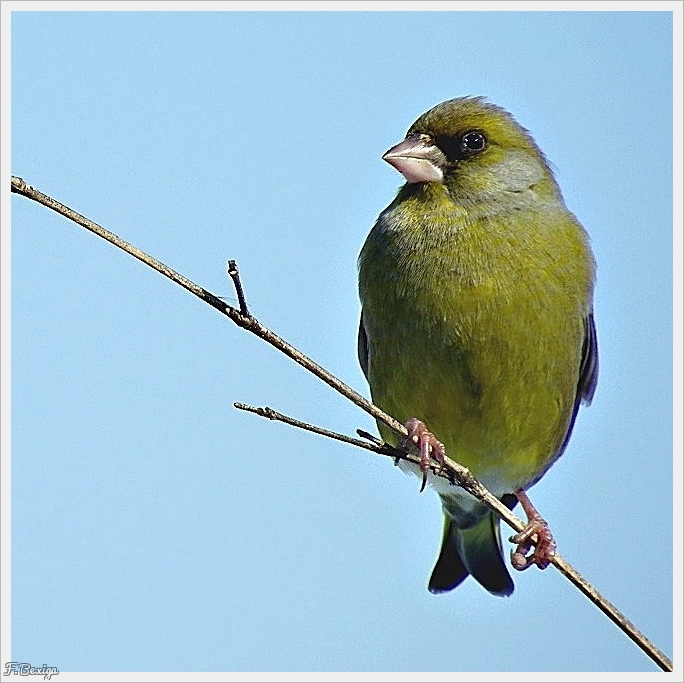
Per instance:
(363,347)
(590,364)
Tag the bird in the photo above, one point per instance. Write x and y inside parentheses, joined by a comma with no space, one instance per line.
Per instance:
(477,327)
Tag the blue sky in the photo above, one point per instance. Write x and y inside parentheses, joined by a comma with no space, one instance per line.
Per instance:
(156,528)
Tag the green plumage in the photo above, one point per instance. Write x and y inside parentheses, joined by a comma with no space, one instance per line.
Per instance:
(476,293)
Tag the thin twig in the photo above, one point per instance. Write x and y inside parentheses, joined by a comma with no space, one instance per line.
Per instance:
(374,445)
(234,273)
(369,437)
(456,473)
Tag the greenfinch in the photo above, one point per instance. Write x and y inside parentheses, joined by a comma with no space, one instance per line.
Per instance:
(477,328)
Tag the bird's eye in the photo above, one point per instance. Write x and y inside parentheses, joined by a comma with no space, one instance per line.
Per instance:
(473,141)
(461,146)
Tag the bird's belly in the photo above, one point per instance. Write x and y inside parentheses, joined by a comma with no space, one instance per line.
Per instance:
(499,409)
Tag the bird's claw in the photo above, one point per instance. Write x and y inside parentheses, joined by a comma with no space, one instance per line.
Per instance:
(537,535)
(429,446)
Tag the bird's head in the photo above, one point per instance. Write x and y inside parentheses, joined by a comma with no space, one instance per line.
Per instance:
(476,150)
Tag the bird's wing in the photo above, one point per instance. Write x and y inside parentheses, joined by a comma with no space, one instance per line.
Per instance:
(589,366)
(588,376)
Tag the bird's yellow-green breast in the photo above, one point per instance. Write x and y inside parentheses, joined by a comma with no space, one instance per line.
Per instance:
(476,325)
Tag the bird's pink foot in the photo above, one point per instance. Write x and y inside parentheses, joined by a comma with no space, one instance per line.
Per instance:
(536,533)
(430,447)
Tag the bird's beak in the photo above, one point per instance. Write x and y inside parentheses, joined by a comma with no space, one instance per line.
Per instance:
(418,159)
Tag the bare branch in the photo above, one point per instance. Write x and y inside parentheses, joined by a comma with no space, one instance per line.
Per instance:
(559,562)
(455,473)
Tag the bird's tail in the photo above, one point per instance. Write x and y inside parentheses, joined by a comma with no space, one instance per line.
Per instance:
(475,550)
